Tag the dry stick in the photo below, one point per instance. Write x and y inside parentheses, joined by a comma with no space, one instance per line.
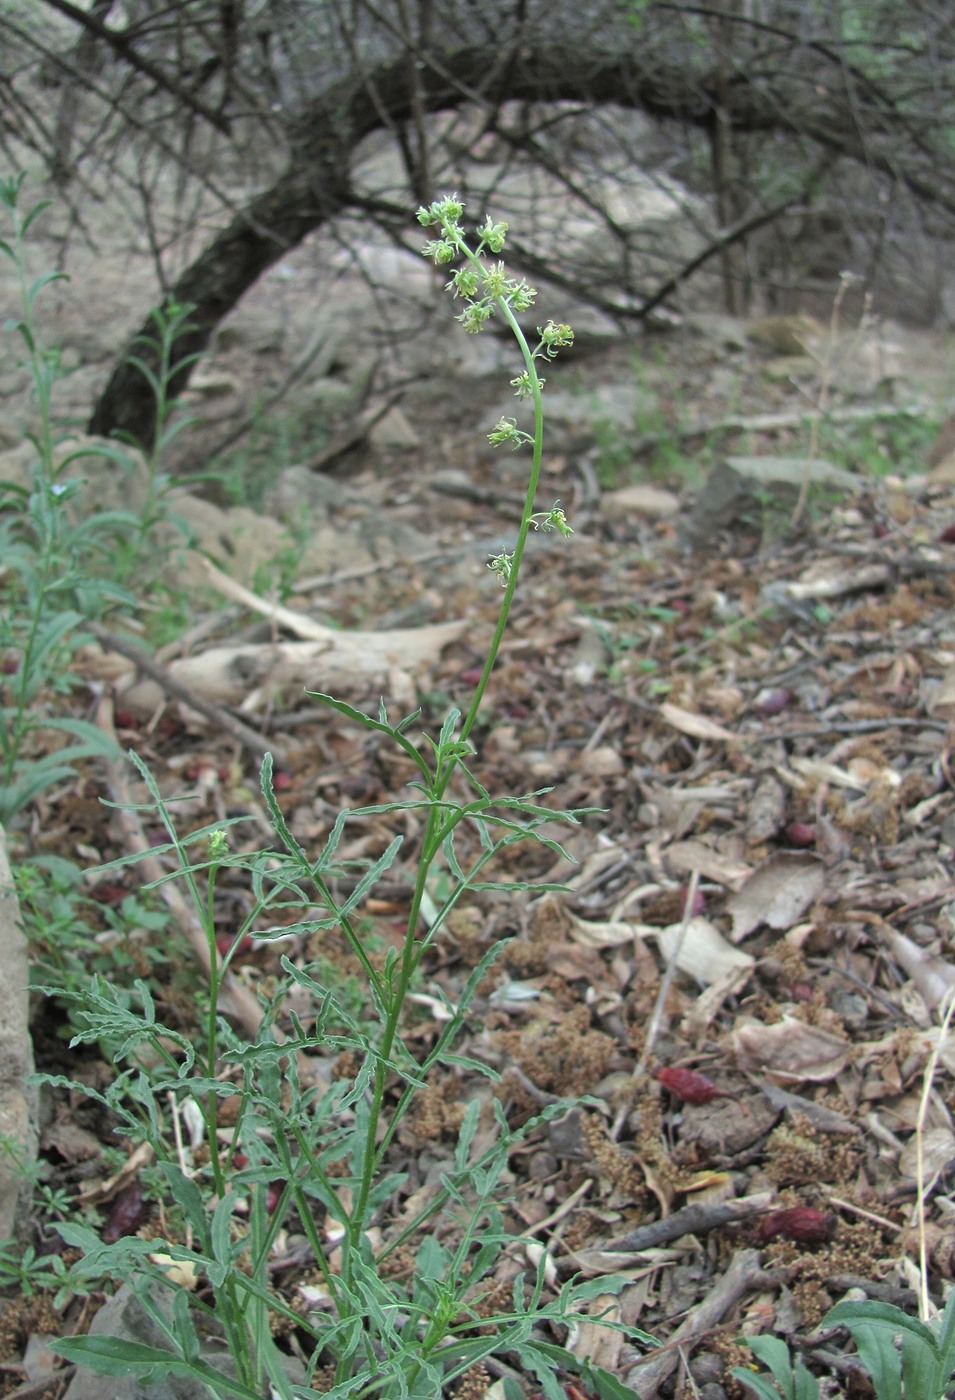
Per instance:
(237,1000)
(656,1018)
(744,1273)
(248,737)
(925,1305)
(299,624)
(690,1220)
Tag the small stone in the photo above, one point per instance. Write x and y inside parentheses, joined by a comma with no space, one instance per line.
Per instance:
(642,500)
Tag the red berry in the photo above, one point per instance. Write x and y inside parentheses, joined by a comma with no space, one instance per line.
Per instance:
(800,834)
(801,1224)
(689,1085)
(773,702)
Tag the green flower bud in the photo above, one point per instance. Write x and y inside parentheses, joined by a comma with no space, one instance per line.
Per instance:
(441,249)
(493,235)
(501,565)
(496,281)
(554,337)
(523,296)
(464,283)
(217,845)
(508,431)
(473,316)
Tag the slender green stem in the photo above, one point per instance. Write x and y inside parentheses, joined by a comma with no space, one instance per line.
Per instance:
(212,1037)
(531,495)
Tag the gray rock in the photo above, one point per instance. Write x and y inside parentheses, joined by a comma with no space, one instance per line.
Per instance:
(738,487)
(124,1316)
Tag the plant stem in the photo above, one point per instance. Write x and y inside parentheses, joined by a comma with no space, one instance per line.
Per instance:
(525,525)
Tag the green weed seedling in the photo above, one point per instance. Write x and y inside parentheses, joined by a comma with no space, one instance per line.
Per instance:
(64,561)
(54,568)
(792,1380)
(398,1311)
(905,1358)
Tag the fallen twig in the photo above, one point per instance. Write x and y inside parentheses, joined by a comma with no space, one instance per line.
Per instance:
(249,738)
(744,1273)
(691,1220)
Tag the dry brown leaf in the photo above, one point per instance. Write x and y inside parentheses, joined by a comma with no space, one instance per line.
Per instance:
(766,810)
(933,977)
(703,953)
(778,893)
(938,1149)
(789,1051)
(696,726)
(600,934)
(591,1341)
(687,856)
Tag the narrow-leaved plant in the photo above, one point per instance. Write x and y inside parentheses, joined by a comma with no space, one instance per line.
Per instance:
(401,1303)
(903,1356)
(63,561)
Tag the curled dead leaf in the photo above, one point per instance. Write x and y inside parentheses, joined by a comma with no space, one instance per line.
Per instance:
(789,1051)
(704,953)
(938,1149)
(696,726)
(778,893)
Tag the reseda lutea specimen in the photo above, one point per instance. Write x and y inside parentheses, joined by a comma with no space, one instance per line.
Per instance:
(486,287)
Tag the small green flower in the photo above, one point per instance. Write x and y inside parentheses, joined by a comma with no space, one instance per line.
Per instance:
(555,519)
(501,565)
(441,249)
(554,337)
(496,281)
(508,431)
(218,846)
(522,297)
(493,235)
(446,211)
(474,315)
(464,283)
(523,389)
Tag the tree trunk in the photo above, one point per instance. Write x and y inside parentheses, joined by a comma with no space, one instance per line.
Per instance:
(315,187)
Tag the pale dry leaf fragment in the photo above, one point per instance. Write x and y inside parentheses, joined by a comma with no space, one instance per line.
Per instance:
(182,1273)
(789,1051)
(704,953)
(591,1340)
(822,772)
(600,933)
(831,579)
(767,810)
(696,726)
(933,977)
(706,1007)
(778,892)
(938,1149)
(946,1053)
(687,856)
(941,697)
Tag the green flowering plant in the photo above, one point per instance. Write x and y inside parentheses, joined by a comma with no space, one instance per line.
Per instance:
(307,1149)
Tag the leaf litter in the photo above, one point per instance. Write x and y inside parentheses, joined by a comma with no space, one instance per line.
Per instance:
(758,1158)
